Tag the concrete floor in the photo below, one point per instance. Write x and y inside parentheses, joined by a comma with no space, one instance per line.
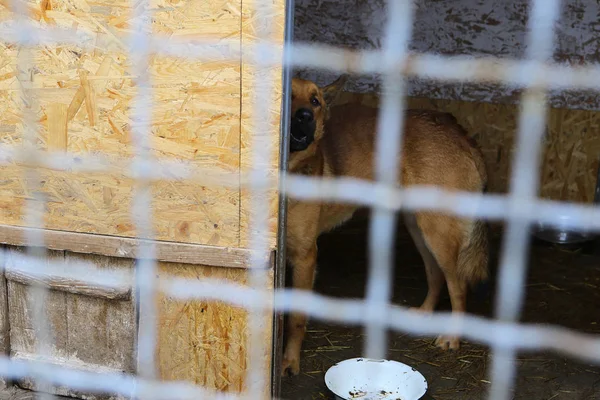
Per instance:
(562,289)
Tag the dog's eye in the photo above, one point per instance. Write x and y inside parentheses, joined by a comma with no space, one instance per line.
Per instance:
(315,102)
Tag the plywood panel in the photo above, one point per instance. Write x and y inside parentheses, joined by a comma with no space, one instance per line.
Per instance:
(114,246)
(196,118)
(250,23)
(205,342)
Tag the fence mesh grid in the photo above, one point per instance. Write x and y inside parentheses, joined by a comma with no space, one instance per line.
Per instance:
(520,208)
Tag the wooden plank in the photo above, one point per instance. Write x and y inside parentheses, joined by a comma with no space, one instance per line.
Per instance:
(16,393)
(18,355)
(69,285)
(205,342)
(114,246)
(195,118)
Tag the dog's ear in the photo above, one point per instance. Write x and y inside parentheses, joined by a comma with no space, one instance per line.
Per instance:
(332,91)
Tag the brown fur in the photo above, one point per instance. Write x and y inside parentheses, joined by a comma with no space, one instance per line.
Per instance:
(436,151)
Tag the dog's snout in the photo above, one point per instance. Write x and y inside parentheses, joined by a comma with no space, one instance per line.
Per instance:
(302,129)
(305,115)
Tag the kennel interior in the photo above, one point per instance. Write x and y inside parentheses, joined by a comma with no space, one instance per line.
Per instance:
(82,98)
(562,283)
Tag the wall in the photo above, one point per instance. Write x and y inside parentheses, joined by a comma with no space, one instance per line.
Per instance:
(202,114)
(471,27)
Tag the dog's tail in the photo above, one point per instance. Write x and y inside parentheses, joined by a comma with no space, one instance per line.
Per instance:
(472,265)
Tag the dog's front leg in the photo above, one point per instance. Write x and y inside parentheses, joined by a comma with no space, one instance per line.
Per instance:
(303,276)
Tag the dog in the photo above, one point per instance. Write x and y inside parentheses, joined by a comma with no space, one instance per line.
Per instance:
(336,141)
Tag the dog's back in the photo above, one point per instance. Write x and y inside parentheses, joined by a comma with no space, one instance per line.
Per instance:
(437,150)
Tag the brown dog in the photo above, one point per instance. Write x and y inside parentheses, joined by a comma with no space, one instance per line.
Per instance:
(340,142)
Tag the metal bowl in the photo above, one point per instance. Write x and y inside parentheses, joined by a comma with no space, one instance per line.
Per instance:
(369,379)
(561,233)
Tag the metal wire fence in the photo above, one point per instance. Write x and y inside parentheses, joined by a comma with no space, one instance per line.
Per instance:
(519,209)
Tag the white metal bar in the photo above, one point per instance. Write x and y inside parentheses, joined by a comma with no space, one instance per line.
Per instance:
(355,311)
(44,269)
(478,329)
(387,170)
(151,169)
(125,385)
(35,204)
(349,190)
(429,197)
(26,33)
(523,186)
(146,268)
(262,149)
(445,68)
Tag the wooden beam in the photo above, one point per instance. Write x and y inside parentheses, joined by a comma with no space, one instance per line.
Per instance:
(70,285)
(114,246)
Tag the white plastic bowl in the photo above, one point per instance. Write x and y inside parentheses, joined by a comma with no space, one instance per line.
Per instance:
(368,379)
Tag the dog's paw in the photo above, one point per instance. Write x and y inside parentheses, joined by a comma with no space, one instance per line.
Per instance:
(421,310)
(290,366)
(448,342)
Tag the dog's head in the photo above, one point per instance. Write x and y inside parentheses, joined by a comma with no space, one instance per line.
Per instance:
(310,110)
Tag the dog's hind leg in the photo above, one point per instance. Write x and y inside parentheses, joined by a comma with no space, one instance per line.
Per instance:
(458,297)
(445,236)
(303,264)
(469,262)
(435,276)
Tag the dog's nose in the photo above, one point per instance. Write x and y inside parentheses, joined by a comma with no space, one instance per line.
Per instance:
(305,115)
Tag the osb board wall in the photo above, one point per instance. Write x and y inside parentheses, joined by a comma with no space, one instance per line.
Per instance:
(571,147)
(465,27)
(197,117)
(205,342)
